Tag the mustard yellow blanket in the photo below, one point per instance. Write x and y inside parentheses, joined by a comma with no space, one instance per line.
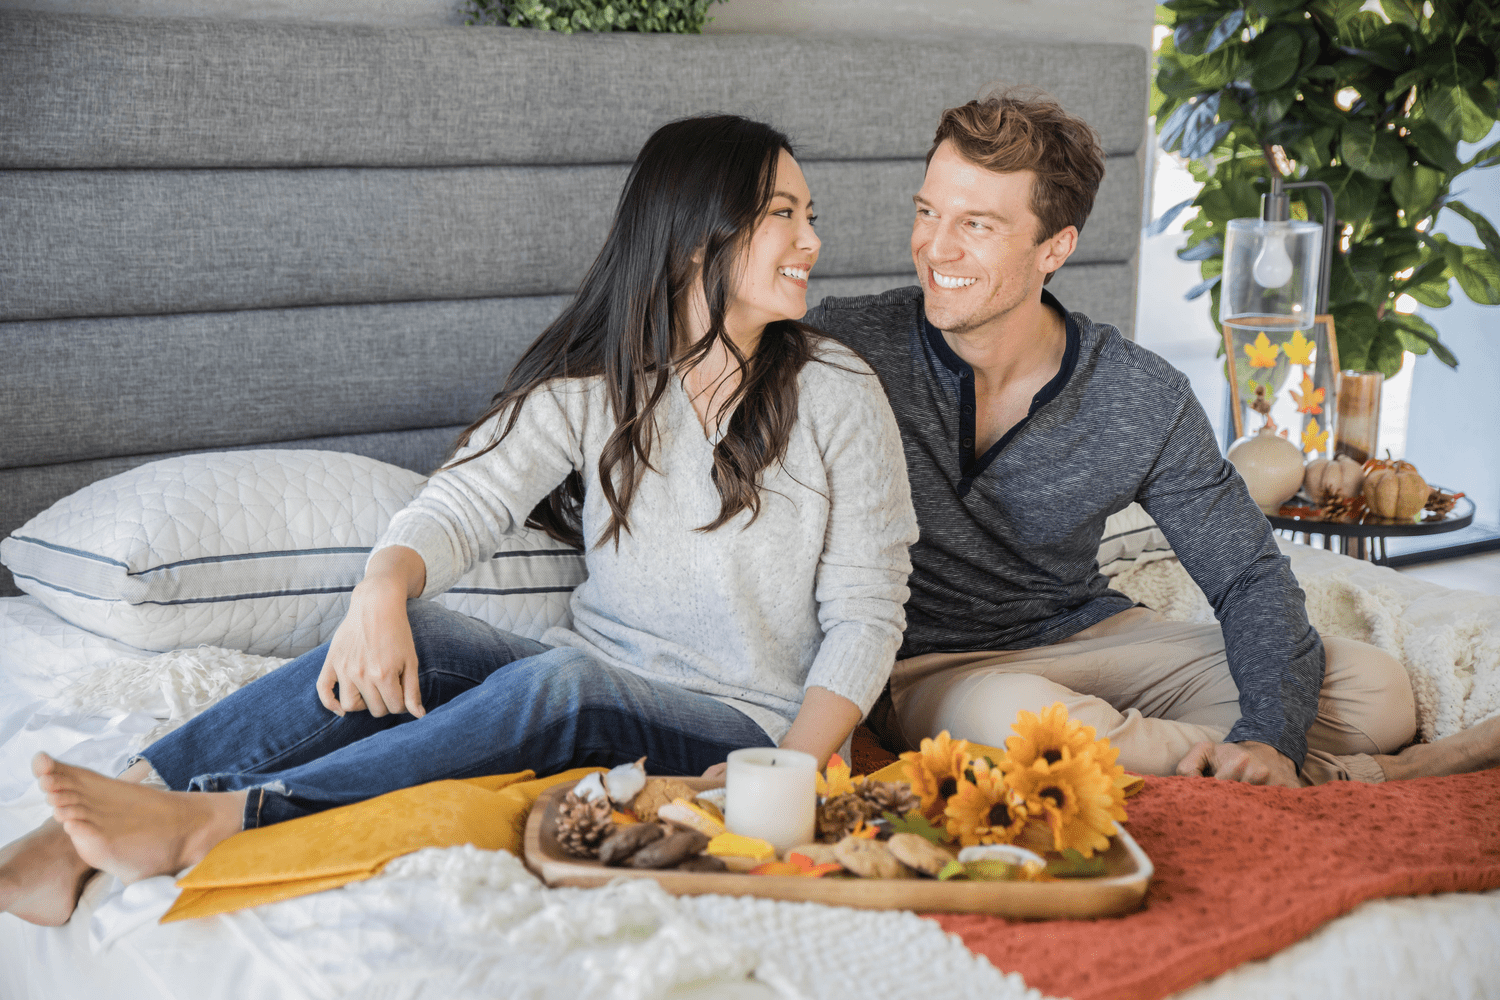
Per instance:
(333,848)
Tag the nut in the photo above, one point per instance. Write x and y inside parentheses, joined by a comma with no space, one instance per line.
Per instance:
(657,793)
(918,852)
(869,859)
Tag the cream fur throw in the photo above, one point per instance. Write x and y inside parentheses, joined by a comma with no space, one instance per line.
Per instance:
(1448,640)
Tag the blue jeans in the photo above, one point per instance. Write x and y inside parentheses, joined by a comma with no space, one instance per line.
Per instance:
(496,703)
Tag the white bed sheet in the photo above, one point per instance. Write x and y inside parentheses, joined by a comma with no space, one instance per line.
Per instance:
(400,926)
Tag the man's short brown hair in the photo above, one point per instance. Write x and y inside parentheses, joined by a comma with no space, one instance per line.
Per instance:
(1009,133)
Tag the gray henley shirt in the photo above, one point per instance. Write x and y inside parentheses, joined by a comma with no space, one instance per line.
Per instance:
(1009,539)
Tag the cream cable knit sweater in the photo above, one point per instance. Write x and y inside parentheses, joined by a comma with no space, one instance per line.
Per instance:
(751,614)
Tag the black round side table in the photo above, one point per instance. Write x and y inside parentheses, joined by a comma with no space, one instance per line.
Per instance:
(1369,533)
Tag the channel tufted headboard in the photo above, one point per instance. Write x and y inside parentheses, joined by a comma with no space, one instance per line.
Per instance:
(230,234)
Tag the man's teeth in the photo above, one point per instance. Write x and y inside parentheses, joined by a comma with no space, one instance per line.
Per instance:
(792,272)
(943,281)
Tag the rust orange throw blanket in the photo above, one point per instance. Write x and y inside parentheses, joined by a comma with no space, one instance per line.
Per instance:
(1243,871)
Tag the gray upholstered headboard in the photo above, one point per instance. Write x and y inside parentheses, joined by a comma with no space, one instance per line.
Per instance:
(231,234)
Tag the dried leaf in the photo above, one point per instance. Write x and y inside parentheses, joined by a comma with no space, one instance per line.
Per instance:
(915,822)
(1075,865)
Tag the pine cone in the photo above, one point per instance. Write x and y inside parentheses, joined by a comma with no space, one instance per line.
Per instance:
(1337,508)
(889,796)
(582,825)
(1441,503)
(840,815)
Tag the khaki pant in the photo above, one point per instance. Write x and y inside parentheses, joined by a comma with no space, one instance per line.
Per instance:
(1154,687)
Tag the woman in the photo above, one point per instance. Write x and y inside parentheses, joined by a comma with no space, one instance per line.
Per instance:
(736,480)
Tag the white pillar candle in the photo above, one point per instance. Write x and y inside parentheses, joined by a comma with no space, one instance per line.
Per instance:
(772,794)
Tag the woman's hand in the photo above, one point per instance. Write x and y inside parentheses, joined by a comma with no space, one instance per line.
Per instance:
(372,658)
(823,723)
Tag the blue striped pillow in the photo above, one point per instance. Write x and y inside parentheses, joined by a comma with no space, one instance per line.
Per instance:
(255,550)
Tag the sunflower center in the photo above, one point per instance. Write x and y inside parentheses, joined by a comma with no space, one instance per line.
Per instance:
(1054,795)
(947,788)
(1052,756)
(999,815)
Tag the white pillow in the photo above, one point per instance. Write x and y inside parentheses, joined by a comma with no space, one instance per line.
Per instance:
(254,550)
(1131,539)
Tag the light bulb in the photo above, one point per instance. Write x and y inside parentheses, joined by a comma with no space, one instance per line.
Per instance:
(1273,268)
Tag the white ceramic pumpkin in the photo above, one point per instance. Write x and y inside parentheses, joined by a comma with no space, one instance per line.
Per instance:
(1270,465)
(1340,477)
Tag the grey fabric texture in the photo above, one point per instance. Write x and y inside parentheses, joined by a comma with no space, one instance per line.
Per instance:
(132,242)
(26,492)
(93,388)
(90,91)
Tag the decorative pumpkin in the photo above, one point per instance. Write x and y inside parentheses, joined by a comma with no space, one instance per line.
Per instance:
(1270,465)
(1396,491)
(1341,477)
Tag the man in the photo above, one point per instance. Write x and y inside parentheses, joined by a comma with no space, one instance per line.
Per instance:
(1025,427)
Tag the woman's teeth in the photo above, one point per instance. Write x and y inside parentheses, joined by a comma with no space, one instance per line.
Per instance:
(792,272)
(943,281)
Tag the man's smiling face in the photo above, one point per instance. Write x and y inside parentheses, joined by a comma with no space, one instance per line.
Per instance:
(974,242)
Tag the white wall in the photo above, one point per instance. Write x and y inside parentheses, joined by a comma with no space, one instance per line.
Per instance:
(1075,20)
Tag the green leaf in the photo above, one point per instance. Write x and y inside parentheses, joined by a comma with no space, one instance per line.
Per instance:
(1375,152)
(1440,105)
(1401,12)
(1386,351)
(1433,145)
(1355,326)
(1477,272)
(1276,56)
(1354,194)
(1415,189)
(1075,865)
(915,822)
(1476,122)
(951,870)
(1432,293)
(1482,227)
(1421,331)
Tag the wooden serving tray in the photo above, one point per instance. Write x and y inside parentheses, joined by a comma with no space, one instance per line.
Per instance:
(1120,891)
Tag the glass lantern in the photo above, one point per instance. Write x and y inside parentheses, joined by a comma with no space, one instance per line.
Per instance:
(1271,274)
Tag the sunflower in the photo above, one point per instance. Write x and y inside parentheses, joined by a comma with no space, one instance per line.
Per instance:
(1046,737)
(1078,799)
(984,810)
(935,770)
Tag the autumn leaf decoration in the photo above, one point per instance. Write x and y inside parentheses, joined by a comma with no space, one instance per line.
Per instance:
(1313,439)
(1262,353)
(1310,399)
(1299,349)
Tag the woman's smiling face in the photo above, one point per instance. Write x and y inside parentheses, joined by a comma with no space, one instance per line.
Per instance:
(770,281)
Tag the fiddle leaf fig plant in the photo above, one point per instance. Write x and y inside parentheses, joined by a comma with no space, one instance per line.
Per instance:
(567,16)
(1374,103)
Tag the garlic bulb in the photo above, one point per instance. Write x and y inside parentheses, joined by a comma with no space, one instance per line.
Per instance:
(625,782)
(590,788)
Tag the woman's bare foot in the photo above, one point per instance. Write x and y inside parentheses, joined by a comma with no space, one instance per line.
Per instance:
(1474,749)
(133,832)
(42,876)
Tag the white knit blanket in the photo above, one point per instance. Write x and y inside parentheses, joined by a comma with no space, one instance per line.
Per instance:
(460,922)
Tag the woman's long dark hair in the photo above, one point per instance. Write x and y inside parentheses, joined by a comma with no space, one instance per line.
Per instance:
(699,187)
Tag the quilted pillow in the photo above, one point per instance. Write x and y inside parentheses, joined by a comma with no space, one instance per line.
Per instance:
(254,550)
(1131,539)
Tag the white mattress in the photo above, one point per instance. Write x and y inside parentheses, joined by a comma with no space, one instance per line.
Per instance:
(462,922)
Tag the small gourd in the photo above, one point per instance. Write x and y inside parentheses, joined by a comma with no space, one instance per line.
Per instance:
(1395,490)
(1339,477)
